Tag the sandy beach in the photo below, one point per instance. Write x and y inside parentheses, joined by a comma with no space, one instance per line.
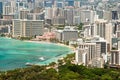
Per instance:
(60,44)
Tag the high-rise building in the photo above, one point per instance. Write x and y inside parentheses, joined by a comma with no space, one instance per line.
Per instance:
(76,17)
(114,15)
(69,14)
(7,10)
(117,29)
(35,16)
(87,16)
(27,28)
(101,47)
(88,31)
(85,53)
(1,8)
(100,14)
(118,43)
(23,13)
(9,7)
(76,20)
(59,20)
(21,4)
(77,4)
(104,29)
(115,58)
(90,51)
(48,3)
(70,2)
(107,15)
(48,13)
(31,4)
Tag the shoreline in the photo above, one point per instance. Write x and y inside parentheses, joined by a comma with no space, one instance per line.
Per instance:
(55,59)
(59,44)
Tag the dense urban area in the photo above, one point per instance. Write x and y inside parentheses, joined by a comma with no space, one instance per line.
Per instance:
(92,27)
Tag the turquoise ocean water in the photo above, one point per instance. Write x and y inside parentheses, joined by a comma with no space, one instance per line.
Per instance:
(16,53)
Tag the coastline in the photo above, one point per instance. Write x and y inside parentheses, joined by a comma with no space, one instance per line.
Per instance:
(59,44)
(55,59)
(47,61)
(71,47)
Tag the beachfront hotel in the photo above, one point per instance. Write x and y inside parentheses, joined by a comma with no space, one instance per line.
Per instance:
(27,28)
(69,33)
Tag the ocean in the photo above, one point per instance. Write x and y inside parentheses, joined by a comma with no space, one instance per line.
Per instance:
(17,54)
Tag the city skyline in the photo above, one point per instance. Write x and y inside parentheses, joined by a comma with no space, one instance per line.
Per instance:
(93,26)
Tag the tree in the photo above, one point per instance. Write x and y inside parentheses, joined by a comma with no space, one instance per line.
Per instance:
(52,64)
(70,76)
(106,77)
(80,26)
(60,62)
(2,35)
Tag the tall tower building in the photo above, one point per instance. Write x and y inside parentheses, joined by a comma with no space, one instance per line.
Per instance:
(1,7)
(104,29)
(85,53)
(115,15)
(23,13)
(69,14)
(21,4)
(90,53)
(77,4)
(31,4)
(48,13)
(87,16)
(115,58)
(9,7)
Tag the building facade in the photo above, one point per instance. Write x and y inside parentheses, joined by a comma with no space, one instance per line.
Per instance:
(27,28)
(115,57)
(85,53)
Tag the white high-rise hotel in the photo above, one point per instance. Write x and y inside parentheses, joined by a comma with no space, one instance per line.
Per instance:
(103,29)
(27,28)
(89,51)
(115,57)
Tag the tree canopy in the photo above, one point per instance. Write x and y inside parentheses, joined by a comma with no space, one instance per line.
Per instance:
(66,71)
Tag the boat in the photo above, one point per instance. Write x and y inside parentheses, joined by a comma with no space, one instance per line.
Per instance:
(42,58)
(28,64)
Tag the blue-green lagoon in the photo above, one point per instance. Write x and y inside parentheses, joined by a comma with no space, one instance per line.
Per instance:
(16,54)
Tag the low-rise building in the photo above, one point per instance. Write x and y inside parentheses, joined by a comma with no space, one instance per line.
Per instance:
(58,34)
(46,36)
(68,34)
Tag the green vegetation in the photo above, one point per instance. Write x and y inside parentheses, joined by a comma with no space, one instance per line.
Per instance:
(65,70)
(54,40)
(75,45)
(60,27)
(114,48)
(66,42)
(2,35)
(80,26)
(25,38)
